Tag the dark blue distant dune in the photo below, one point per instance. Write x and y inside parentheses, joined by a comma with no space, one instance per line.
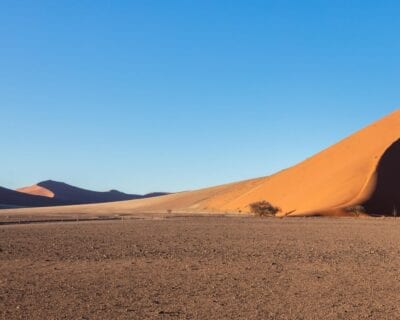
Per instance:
(54,193)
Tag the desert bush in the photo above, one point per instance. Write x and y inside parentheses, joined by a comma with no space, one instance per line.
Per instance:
(356,210)
(263,208)
(169,211)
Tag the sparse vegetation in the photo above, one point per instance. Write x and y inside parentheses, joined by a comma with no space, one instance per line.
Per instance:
(169,211)
(356,210)
(263,209)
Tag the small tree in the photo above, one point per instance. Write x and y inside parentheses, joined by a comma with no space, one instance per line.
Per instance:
(355,210)
(263,208)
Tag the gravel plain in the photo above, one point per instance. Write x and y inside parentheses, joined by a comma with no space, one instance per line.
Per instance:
(201,268)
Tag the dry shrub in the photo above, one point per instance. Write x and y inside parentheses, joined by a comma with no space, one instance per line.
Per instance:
(356,210)
(263,209)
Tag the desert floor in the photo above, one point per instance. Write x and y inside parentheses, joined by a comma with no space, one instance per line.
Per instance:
(201,268)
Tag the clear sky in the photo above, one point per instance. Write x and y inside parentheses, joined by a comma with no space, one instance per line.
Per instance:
(173,95)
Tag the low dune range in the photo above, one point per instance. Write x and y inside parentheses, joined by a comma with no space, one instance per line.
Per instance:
(51,193)
(359,170)
(72,195)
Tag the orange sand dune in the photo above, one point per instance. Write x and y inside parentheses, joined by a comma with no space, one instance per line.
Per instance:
(361,169)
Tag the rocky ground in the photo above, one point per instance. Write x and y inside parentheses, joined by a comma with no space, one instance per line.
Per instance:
(201,268)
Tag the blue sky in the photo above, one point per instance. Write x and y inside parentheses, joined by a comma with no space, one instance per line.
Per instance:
(174,95)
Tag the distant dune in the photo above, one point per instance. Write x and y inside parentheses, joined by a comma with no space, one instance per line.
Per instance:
(359,170)
(10,198)
(74,195)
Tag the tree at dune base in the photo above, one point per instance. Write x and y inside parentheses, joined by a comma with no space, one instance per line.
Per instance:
(263,209)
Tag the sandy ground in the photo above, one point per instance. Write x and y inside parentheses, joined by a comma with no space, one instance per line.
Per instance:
(201,268)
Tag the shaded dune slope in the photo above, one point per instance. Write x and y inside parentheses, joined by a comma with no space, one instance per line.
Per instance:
(361,169)
(385,195)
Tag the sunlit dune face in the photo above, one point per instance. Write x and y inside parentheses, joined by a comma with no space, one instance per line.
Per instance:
(37,191)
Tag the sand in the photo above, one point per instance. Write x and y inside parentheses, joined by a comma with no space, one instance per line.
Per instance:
(201,268)
(361,169)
